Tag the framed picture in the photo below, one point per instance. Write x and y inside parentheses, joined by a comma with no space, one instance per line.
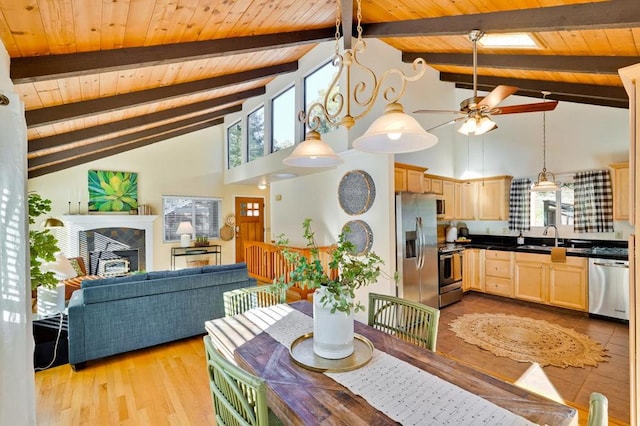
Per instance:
(112,192)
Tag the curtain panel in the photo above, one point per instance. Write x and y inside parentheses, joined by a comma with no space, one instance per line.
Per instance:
(593,202)
(520,205)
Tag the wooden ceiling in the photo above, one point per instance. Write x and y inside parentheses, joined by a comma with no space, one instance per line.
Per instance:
(102,77)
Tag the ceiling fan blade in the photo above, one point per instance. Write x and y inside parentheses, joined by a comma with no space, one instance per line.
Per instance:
(516,109)
(496,96)
(446,123)
(437,111)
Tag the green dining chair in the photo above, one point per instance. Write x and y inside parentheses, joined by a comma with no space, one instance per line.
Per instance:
(598,410)
(239,398)
(241,300)
(410,321)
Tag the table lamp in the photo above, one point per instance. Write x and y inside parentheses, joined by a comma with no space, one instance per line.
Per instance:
(185,230)
(51,300)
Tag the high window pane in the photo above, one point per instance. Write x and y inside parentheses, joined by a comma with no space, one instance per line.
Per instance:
(283,120)
(234,145)
(255,133)
(203,213)
(316,85)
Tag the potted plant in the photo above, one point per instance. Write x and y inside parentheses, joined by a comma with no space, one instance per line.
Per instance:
(43,247)
(334,298)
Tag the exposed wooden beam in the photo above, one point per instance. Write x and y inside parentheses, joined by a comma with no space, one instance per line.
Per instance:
(606,14)
(40,68)
(575,64)
(56,114)
(599,95)
(120,149)
(116,126)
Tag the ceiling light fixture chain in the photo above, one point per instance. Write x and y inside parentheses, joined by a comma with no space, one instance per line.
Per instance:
(394,132)
(546,180)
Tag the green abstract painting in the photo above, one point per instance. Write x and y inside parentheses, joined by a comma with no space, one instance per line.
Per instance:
(112,191)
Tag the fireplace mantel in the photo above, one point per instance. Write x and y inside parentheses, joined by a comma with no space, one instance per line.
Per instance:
(80,222)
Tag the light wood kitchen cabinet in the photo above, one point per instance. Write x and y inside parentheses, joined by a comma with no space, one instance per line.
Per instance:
(498,272)
(493,198)
(408,178)
(562,284)
(448,194)
(426,184)
(471,270)
(621,193)
(437,186)
(465,200)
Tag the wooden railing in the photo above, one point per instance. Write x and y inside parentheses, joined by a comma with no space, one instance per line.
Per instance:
(265,263)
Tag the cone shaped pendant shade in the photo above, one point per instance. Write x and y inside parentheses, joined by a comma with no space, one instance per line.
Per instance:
(312,152)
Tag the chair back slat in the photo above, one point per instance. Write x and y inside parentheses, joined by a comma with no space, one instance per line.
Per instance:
(410,321)
(239,398)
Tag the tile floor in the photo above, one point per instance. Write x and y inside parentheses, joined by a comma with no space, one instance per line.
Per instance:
(573,384)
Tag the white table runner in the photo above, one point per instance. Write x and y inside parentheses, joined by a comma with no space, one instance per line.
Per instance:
(400,390)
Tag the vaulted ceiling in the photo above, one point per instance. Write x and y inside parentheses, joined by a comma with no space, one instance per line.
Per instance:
(103,77)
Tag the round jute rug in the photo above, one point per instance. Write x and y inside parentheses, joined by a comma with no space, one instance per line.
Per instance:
(528,340)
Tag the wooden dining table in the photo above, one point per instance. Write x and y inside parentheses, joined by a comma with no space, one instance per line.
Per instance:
(301,396)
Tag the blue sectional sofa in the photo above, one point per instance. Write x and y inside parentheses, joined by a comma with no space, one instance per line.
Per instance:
(115,315)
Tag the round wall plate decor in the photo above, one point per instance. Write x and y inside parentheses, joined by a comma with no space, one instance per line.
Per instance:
(356,192)
(359,235)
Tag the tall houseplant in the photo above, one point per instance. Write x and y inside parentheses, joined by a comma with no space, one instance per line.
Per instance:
(334,299)
(43,245)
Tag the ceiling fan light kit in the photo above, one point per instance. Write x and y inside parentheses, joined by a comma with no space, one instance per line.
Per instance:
(478,125)
(394,132)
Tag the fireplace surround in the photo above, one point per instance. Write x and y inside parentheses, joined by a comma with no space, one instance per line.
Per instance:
(113,225)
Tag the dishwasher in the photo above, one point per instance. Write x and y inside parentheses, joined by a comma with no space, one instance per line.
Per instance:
(609,288)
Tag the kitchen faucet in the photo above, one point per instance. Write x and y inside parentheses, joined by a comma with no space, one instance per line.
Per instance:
(556,233)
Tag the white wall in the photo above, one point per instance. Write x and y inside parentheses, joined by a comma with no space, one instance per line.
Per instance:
(190,165)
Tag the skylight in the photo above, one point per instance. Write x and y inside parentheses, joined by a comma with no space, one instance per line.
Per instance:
(510,40)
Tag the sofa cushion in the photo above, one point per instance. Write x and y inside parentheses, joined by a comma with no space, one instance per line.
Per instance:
(154,275)
(114,280)
(220,268)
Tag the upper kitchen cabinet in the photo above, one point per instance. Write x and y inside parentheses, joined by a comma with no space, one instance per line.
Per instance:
(620,174)
(448,194)
(408,178)
(465,200)
(493,198)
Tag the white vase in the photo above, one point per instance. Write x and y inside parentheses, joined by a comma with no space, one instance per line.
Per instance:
(50,300)
(332,332)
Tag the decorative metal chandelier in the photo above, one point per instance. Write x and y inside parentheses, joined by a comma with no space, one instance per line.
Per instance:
(393,132)
(546,180)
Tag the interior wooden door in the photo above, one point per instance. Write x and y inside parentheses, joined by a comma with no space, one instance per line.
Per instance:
(249,223)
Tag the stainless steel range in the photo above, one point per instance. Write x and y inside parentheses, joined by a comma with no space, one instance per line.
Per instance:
(449,274)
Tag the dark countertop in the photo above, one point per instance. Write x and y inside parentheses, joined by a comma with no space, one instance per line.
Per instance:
(575,247)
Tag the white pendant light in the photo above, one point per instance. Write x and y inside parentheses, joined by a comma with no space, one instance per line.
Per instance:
(395,132)
(546,180)
(312,152)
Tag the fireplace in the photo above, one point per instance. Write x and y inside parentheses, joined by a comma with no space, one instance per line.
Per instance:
(111,244)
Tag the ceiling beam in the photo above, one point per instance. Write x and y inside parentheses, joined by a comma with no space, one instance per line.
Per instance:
(116,126)
(574,92)
(42,68)
(119,149)
(57,114)
(606,14)
(574,64)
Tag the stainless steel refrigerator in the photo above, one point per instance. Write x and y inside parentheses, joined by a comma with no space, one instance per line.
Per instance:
(417,247)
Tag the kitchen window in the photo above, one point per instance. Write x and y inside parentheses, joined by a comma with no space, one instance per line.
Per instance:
(553,208)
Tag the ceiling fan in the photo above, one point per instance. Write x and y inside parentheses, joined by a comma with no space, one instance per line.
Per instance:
(476,111)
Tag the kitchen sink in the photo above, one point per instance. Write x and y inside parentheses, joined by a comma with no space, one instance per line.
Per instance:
(548,248)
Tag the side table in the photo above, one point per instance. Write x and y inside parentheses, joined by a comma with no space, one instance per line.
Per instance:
(215,250)
(45,335)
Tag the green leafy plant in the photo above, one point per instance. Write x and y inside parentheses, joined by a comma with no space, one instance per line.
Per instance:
(353,272)
(112,191)
(43,245)
(201,241)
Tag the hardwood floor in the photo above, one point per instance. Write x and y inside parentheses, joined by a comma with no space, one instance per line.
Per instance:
(167,384)
(573,384)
